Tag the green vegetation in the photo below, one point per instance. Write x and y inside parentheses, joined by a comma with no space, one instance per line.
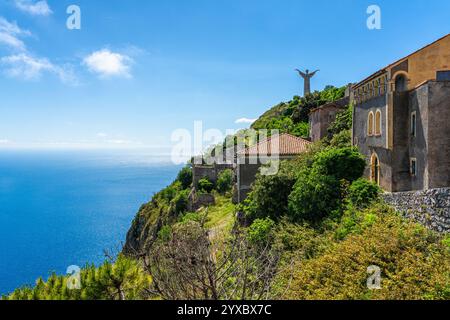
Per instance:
(414,264)
(225,181)
(185,177)
(308,232)
(343,121)
(314,197)
(205,185)
(125,279)
(363,193)
(260,230)
(293,116)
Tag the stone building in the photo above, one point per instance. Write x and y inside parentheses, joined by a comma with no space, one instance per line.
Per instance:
(215,166)
(322,117)
(268,152)
(401,120)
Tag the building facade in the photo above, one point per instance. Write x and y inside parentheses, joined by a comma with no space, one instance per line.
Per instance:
(401,120)
(322,117)
(267,153)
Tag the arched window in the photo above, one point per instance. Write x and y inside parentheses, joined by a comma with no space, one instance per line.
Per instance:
(370,123)
(375,169)
(401,83)
(378,123)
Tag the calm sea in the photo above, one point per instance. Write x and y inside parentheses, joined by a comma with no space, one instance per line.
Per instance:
(59,209)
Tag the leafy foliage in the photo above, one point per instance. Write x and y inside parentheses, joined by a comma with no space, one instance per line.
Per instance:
(342,139)
(293,116)
(413,261)
(260,230)
(180,202)
(123,280)
(344,163)
(269,195)
(315,196)
(343,122)
(225,181)
(185,177)
(205,185)
(363,192)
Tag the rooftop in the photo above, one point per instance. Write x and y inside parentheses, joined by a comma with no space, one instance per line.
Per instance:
(282,145)
(341,103)
(383,70)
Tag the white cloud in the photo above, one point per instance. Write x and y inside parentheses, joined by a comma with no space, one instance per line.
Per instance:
(39,8)
(4,141)
(27,67)
(245,120)
(107,64)
(10,33)
(102,135)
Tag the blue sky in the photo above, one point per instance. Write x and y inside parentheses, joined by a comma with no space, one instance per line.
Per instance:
(137,70)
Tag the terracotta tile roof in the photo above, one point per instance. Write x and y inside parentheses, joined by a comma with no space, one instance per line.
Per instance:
(287,145)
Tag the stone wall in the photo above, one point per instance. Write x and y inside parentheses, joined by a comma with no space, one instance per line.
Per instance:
(211,172)
(199,200)
(429,207)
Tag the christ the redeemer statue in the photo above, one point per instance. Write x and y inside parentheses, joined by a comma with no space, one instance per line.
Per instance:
(307,78)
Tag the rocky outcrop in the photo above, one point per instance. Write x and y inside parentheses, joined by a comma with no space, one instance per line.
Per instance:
(429,207)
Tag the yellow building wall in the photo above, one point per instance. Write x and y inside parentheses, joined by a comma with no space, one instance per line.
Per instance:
(424,63)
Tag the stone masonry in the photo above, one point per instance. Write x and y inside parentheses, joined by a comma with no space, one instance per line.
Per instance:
(429,207)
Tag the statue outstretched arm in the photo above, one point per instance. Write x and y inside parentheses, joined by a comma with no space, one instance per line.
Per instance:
(304,75)
(313,73)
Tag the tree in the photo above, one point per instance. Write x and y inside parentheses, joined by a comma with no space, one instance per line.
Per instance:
(205,185)
(225,181)
(315,196)
(125,279)
(345,163)
(363,192)
(191,267)
(344,121)
(185,177)
(179,204)
(260,230)
(269,195)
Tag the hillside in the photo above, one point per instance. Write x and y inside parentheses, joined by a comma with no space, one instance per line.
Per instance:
(312,231)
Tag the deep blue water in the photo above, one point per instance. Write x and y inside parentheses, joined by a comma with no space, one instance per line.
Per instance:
(65,208)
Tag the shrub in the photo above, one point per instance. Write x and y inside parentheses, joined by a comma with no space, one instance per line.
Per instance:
(192,216)
(363,192)
(165,233)
(344,163)
(343,121)
(225,181)
(168,193)
(301,129)
(260,230)
(315,196)
(185,177)
(342,139)
(205,185)
(298,240)
(180,202)
(269,195)
(413,262)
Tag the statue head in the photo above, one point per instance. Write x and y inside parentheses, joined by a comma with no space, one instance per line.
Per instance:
(307,71)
